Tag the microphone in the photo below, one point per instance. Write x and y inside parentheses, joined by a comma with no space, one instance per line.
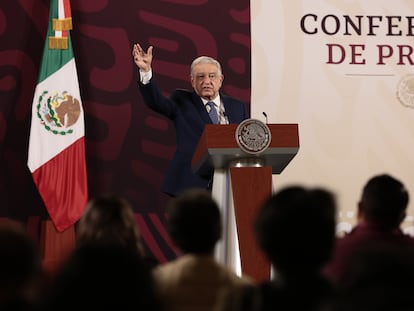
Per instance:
(264,113)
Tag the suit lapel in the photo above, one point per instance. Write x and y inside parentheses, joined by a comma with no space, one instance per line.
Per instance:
(198,103)
(228,107)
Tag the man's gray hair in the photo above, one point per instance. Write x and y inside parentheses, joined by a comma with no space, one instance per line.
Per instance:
(205,60)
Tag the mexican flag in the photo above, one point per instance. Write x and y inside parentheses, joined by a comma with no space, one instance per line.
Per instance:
(56,156)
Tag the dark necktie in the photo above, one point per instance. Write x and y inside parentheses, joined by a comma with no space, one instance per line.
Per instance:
(213,113)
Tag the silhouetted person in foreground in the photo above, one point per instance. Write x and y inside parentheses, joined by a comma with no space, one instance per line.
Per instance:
(379,277)
(109,220)
(194,281)
(295,228)
(103,277)
(381,210)
(22,279)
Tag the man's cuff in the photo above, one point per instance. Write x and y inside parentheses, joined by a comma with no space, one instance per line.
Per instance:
(145,76)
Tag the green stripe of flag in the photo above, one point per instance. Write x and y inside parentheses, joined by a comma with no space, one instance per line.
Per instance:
(53,59)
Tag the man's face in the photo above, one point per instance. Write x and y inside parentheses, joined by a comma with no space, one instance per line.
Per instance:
(206,80)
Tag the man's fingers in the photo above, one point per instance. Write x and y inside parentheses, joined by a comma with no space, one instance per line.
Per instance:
(149,52)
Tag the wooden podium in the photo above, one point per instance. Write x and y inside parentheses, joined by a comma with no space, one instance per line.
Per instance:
(242,182)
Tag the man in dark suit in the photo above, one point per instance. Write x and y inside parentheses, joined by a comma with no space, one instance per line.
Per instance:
(190,111)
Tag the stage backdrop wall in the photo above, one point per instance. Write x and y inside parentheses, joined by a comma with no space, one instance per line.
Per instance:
(342,70)
(128,146)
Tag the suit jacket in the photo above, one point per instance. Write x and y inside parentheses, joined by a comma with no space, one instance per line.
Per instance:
(189,115)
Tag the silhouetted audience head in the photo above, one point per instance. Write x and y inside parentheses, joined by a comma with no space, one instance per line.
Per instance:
(109,219)
(384,201)
(194,221)
(103,277)
(296,229)
(21,274)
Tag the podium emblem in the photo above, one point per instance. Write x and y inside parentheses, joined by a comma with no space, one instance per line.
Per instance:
(253,136)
